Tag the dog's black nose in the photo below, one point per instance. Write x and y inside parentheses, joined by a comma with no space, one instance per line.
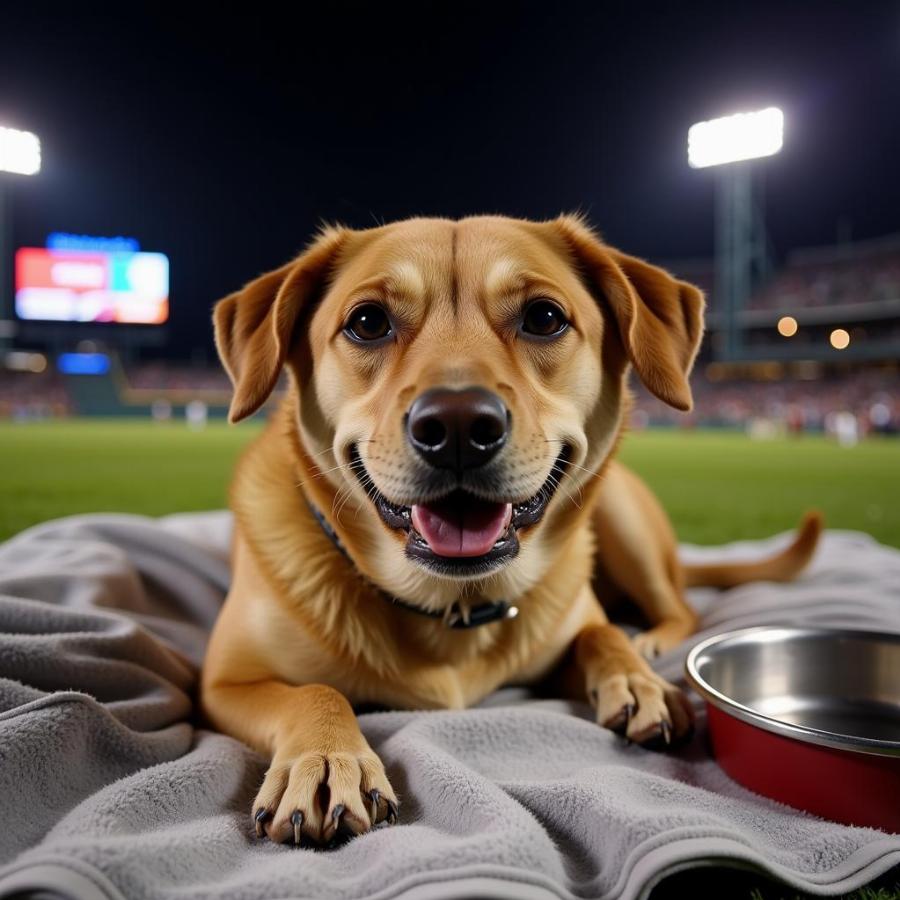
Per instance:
(457,429)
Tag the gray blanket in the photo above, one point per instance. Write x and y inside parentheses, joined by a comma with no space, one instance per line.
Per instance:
(109,790)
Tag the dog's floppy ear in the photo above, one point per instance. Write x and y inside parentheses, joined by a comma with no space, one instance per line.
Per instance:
(659,318)
(254,327)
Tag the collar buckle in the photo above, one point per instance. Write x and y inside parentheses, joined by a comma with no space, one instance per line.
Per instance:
(482,614)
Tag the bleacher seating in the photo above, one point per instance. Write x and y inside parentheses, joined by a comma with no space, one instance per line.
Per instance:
(832,276)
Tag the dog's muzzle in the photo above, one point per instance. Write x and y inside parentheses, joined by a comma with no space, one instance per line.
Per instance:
(461,534)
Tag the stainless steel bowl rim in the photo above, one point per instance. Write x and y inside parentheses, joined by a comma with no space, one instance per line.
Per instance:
(817,736)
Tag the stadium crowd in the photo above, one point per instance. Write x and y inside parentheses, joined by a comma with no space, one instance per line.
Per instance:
(791,405)
(164,376)
(856,273)
(816,277)
(29,395)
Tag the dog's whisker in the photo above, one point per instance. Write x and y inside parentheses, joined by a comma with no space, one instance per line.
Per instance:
(325,472)
(557,485)
(568,493)
(320,453)
(344,490)
(344,501)
(331,449)
(349,492)
(343,504)
(584,469)
(371,492)
(569,463)
(574,465)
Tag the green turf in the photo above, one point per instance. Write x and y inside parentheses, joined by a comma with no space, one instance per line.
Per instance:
(716,486)
(58,468)
(719,487)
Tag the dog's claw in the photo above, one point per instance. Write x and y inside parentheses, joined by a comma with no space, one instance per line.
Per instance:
(660,737)
(666,729)
(393,812)
(374,796)
(336,814)
(630,712)
(620,722)
(260,817)
(297,822)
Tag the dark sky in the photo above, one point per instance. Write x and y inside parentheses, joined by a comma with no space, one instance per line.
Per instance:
(223,141)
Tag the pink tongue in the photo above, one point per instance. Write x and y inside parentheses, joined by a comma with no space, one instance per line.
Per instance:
(455,529)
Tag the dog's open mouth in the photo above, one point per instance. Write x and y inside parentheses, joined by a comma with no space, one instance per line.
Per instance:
(462,534)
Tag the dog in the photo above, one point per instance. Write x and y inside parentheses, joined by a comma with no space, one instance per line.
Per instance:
(435,509)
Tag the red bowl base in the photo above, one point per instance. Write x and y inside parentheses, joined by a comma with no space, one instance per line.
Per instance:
(848,787)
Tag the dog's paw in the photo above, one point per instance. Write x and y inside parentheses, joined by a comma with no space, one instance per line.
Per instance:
(643,707)
(320,798)
(662,637)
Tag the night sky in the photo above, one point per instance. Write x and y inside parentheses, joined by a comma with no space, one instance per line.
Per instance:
(224,141)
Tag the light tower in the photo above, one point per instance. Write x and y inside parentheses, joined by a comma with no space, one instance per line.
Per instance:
(742,247)
(20,154)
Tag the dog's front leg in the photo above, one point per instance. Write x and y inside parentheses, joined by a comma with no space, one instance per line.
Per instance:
(628,696)
(637,551)
(324,779)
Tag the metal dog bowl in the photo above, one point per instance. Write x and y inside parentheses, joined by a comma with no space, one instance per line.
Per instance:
(807,716)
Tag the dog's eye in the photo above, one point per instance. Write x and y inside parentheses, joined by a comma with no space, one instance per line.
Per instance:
(369,322)
(543,318)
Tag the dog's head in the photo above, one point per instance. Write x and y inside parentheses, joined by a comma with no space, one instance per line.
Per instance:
(457,386)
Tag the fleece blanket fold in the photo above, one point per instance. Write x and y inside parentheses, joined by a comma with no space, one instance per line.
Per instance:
(108,789)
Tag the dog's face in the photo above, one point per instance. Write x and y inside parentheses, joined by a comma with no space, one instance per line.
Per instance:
(459,385)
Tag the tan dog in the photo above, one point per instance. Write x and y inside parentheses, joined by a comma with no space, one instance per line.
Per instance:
(442,459)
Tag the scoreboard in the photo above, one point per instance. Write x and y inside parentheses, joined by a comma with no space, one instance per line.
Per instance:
(65,285)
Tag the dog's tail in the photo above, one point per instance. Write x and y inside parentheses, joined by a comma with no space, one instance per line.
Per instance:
(784,566)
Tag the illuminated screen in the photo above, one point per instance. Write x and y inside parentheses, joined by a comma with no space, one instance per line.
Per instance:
(83,363)
(79,286)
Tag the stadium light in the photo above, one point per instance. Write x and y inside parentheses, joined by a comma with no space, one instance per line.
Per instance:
(742,247)
(839,339)
(787,326)
(735,138)
(20,152)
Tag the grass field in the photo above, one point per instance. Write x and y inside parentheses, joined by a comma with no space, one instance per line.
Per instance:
(716,487)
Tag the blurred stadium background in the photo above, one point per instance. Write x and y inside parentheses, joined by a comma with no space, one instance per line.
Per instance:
(110,394)
(109,423)
(821,341)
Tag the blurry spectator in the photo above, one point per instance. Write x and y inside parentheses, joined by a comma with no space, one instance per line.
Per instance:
(799,406)
(196,413)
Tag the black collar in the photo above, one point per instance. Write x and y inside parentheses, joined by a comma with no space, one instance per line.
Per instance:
(455,617)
